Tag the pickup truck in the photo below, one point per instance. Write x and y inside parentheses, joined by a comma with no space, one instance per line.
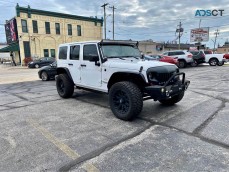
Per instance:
(214,59)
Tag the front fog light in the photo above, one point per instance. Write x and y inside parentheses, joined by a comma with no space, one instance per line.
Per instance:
(162,90)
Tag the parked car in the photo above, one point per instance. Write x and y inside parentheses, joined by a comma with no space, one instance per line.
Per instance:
(45,61)
(214,59)
(198,57)
(184,57)
(161,58)
(226,56)
(48,72)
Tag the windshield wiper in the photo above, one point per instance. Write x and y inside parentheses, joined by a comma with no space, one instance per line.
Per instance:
(131,56)
(116,57)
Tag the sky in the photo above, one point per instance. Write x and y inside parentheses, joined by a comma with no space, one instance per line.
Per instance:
(137,19)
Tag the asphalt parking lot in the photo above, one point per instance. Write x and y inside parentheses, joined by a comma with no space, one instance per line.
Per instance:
(42,132)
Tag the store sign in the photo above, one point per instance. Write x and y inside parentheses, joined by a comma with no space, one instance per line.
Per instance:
(11,31)
(208,13)
(199,35)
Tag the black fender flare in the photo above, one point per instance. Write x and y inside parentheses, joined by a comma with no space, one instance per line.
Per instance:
(61,70)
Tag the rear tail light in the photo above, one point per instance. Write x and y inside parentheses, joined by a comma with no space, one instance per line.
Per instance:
(202,55)
(189,56)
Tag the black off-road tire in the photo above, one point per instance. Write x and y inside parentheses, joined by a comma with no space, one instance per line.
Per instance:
(182,64)
(125,100)
(173,100)
(213,62)
(64,85)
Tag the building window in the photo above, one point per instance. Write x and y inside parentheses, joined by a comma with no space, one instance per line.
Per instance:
(225,49)
(69,29)
(78,30)
(24,26)
(75,52)
(47,27)
(46,53)
(53,54)
(63,52)
(35,28)
(57,28)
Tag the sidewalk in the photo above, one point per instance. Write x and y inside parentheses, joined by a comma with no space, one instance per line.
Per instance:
(4,66)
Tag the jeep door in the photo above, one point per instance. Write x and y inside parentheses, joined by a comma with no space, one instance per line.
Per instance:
(90,70)
(74,63)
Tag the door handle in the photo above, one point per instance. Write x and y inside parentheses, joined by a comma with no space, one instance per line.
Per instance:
(83,65)
(70,64)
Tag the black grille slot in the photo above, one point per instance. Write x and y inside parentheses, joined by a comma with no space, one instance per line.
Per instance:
(162,77)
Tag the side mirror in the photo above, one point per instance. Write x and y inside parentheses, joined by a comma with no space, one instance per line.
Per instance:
(93,58)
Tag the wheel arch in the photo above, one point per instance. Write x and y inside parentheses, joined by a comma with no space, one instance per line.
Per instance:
(214,58)
(136,78)
(64,70)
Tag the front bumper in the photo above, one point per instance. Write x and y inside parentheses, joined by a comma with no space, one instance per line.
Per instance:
(166,91)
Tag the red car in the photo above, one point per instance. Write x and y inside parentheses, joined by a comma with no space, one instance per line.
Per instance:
(226,56)
(162,58)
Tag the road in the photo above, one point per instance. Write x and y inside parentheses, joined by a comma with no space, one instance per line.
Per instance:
(42,132)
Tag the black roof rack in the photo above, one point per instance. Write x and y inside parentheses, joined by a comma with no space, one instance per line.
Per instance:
(108,41)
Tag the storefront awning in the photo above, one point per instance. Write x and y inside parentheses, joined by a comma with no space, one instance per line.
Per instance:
(11,47)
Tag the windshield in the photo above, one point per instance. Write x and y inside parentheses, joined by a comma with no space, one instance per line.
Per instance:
(112,51)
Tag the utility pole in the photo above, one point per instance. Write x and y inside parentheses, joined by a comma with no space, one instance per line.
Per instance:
(113,8)
(216,33)
(104,9)
(179,31)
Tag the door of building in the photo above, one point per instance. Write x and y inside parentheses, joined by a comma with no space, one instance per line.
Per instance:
(27,49)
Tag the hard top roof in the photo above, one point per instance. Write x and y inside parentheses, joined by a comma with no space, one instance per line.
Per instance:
(103,42)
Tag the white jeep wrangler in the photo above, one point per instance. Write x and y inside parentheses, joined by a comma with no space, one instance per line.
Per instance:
(117,68)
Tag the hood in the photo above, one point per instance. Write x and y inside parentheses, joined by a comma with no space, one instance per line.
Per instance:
(134,64)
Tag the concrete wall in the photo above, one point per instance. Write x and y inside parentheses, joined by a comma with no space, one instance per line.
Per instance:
(148,47)
(40,41)
(223,50)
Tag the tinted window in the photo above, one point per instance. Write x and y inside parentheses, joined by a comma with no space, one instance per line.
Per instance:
(171,53)
(35,28)
(63,52)
(46,53)
(89,50)
(69,29)
(24,26)
(47,27)
(79,30)
(53,54)
(57,28)
(75,52)
(194,52)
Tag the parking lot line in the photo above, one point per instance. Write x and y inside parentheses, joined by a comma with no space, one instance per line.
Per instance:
(63,147)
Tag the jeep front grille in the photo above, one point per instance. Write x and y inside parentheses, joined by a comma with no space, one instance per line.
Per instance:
(163,77)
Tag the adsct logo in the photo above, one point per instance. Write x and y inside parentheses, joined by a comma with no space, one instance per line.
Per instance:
(208,13)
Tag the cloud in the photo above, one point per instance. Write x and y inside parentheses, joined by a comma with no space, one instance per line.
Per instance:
(137,19)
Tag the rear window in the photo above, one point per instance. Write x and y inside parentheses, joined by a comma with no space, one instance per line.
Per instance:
(63,52)
(194,52)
